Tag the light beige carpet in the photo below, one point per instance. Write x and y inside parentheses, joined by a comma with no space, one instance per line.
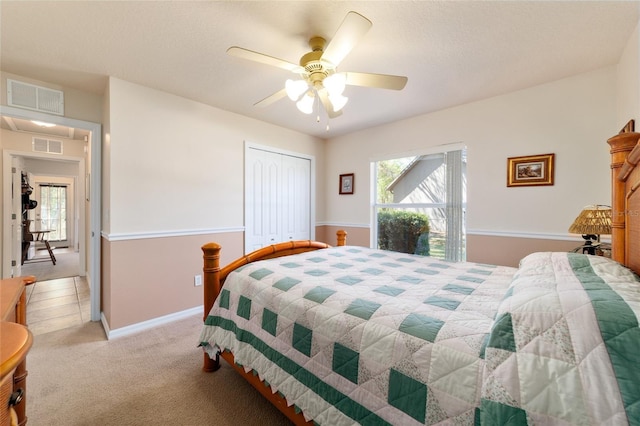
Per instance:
(67,265)
(77,377)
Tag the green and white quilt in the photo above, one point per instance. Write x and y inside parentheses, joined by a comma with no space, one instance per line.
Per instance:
(358,335)
(354,335)
(565,346)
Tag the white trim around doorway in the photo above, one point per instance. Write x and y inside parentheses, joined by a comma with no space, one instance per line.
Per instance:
(94,185)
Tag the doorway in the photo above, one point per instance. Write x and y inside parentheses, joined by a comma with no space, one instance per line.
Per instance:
(53,228)
(89,180)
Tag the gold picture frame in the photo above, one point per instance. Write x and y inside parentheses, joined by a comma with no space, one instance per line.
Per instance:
(531,170)
(346,183)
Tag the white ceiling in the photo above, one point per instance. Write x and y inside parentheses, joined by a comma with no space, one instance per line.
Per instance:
(453,52)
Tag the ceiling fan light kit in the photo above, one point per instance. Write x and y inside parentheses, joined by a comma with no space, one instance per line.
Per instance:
(305,104)
(295,88)
(335,84)
(338,101)
(319,77)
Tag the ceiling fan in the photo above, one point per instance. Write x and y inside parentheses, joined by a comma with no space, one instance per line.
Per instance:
(319,79)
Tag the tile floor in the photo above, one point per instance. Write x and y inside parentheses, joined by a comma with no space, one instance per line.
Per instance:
(57,304)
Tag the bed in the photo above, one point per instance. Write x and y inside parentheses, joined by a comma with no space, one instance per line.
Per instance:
(350,335)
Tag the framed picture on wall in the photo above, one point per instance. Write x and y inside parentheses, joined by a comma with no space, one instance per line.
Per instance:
(530,170)
(346,183)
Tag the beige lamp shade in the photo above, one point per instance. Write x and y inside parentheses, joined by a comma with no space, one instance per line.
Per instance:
(592,220)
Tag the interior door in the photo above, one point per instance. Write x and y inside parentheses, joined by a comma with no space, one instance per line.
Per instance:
(16,217)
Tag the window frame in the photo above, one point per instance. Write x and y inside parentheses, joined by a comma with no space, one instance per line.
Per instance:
(65,187)
(374,206)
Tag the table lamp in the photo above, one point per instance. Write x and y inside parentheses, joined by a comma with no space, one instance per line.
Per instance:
(592,221)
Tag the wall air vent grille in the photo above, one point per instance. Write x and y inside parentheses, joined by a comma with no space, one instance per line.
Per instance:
(36,98)
(49,146)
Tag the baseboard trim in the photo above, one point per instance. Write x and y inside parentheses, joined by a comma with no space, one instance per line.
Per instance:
(145,325)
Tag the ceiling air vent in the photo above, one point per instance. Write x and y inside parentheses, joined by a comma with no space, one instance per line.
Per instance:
(36,98)
(47,145)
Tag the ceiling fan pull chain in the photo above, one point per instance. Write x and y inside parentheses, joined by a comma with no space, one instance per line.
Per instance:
(328,120)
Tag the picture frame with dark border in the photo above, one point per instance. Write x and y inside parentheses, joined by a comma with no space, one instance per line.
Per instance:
(346,183)
(531,170)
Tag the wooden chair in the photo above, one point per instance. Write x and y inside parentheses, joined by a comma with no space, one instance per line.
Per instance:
(27,237)
(36,236)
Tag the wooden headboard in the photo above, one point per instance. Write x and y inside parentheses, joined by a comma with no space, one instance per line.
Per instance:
(625,197)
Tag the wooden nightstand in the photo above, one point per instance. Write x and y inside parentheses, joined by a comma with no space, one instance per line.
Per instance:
(15,342)
(13,309)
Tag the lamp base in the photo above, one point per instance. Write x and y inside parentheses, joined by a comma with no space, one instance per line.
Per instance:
(588,247)
(597,248)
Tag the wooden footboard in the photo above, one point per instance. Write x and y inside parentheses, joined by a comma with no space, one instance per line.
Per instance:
(274,398)
(214,275)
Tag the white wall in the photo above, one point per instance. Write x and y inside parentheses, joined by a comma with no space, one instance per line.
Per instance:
(628,82)
(77,104)
(177,165)
(572,118)
(21,141)
(173,178)
(51,168)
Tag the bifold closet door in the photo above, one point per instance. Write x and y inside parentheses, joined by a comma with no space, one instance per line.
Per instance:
(277,198)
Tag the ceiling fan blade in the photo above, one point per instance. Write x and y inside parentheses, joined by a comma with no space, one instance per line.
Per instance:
(351,30)
(324,98)
(262,58)
(271,98)
(380,81)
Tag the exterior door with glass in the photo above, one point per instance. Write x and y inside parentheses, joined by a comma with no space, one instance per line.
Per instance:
(54,211)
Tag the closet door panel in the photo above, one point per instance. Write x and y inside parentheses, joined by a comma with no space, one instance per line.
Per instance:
(296,186)
(262,199)
(272,201)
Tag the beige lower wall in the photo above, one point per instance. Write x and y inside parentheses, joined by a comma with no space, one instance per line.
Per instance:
(356,236)
(145,279)
(494,250)
(507,251)
(105,279)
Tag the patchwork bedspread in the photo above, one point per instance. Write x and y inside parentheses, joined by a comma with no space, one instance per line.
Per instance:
(565,346)
(354,335)
(359,335)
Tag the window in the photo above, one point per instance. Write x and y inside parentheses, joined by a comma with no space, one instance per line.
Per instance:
(53,210)
(420,204)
